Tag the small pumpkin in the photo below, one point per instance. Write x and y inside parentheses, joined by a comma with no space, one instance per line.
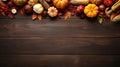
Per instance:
(97,2)
(52,11)
(91,10)
(38,8)
(60,3)
(19,2)
(32,2)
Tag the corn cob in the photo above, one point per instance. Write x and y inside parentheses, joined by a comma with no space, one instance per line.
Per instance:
(116,5)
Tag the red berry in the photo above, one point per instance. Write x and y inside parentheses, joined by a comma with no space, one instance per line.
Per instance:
(102,7)
(108,2)
(44,13)
(80,9)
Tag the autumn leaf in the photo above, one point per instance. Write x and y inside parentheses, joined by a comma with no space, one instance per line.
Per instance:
(67,15)
(10,15)
(34,16)
(39,17)
(100,19)
(3,13)
(22,11)
(2,4)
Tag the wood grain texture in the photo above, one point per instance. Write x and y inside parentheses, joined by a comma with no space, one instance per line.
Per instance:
(57,28)
(58,43)
(60,61)
(60,46)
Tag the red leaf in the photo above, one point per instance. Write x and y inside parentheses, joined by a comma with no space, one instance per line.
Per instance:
(10,15)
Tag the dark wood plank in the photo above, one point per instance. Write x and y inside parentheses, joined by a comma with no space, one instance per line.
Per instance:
(60,61)
(81,43)
(18,16)
(57,28)
(73,36)
(63,46)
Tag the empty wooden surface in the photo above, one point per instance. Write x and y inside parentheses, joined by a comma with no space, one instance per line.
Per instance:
(58,43)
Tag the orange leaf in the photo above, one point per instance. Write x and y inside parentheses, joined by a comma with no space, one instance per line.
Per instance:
(3,13)
(40,17)
(34,16)
(2,4)
(67,15)
(22,12)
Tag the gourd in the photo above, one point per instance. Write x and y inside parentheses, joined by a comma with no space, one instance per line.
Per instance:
(32,2)
(96,1)
(19,2)
(91,10)
(38,8)
(52,11)
(78,2)
(60,3)
(114,17)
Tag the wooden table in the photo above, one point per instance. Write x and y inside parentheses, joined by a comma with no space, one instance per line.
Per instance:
(58,43)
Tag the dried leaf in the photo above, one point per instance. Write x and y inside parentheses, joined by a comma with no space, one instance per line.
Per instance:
(34,16)
(39,17)
(67,15)
(3,13)
(10,15)
(22,12)
(2,4)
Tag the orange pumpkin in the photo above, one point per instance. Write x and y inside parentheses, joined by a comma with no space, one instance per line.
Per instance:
(97,2)
(91,10)
(60,3)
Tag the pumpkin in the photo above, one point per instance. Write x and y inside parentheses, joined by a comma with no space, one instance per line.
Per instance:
(38,8)
(19,2)
(97,2)
(60,3)
(32,2)
(91,10)
(52,11)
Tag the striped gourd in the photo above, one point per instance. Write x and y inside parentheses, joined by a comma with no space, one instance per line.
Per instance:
(20,2)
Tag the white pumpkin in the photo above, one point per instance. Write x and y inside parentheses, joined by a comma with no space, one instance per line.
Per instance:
(52,11)
(38,8)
